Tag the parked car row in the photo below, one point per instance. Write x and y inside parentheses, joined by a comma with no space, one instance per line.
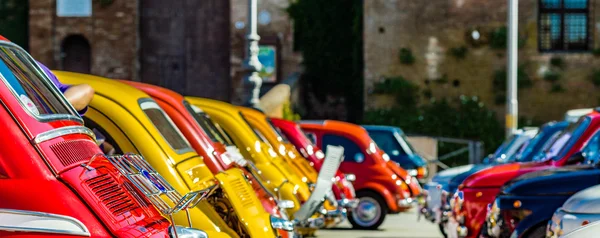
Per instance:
(535,186)
(144,161)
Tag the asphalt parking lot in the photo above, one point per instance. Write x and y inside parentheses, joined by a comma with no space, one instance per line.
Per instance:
(404,225)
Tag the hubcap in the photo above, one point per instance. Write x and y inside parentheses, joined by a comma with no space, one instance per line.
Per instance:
(367,213)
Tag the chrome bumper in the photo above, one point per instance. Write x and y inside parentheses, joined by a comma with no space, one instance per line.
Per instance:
(348,203)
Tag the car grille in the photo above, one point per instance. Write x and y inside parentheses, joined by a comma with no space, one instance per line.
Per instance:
(242,192)
(113,196)
(74,151)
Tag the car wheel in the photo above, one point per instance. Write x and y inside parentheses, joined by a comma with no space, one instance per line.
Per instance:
(538,231)
(370,212)
(443,230)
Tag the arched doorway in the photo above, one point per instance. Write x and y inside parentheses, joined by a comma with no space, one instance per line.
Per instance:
(76,54)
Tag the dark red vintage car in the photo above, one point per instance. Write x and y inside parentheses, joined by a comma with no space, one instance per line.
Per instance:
(478,191)
(53,182)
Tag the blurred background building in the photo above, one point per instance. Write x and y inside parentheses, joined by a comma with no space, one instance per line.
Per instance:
(446,47)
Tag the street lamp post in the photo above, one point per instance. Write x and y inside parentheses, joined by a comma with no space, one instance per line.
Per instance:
(512,104)
(252,81)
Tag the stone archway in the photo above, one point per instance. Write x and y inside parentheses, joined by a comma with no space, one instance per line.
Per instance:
(76,54)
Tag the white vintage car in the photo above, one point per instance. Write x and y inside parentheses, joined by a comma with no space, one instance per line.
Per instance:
(579,210)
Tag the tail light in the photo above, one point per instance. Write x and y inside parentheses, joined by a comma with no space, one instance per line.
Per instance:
(422,172)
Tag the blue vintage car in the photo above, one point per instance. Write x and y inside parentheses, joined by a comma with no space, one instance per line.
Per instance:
(527,203)
(393,141)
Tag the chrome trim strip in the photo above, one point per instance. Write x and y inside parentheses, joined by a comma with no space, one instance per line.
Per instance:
(67,130)
(84,231)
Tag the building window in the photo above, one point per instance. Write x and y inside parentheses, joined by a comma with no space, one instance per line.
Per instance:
(564,25)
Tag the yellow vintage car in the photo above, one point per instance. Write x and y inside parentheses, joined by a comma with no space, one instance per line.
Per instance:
(131,121)
(287,151)
(281,177)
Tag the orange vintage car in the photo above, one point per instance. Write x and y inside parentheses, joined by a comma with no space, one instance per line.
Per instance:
(382,187)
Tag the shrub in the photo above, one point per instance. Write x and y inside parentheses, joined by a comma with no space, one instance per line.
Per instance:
(498,38)
(557,88)
(459,52)
(595,78)
(406,92)
(596,52)
(552,76)
(557,62)
(406,56)
(500,76)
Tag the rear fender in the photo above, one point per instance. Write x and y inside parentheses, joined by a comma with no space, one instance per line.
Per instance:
(245,203)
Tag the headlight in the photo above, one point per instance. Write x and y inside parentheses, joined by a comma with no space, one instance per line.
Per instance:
(183,232)
(281,224)
(413,172)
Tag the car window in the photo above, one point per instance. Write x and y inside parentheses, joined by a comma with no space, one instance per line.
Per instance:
(387,142)
(352,152)
(204,122)
(311,136)
(30,86)
(592,148)
(572,133)
(165,126)
(278,132)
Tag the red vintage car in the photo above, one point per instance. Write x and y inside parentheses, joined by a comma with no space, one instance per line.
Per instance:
(473,197)
(53,182)
(382,187)
(343,188)
(209,142)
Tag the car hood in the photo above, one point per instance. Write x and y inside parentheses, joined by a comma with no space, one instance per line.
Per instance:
(585,201)
(444,177)
(554,181)
(496,176)
(459,178)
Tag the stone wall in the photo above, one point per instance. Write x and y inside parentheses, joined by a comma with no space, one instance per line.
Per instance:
(430,29)
(111,32)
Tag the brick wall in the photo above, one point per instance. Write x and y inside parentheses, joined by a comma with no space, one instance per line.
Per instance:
(431,28)
(111,32)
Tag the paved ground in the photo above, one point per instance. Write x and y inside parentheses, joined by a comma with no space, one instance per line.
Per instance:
(402,225)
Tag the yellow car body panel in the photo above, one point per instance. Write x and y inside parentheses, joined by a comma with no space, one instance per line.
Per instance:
(300,165)
(272,168)
(286,150)
(117,108)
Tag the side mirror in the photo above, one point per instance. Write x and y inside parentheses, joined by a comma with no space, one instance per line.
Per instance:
(576,158)
(350,177)
(285,204)
(359,157)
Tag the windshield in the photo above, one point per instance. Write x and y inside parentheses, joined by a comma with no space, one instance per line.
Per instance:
(531,145)
(205,123)
(517,146)
(570,136)
(404,143)
(278,132)
(30,86)
(165,126)
(592,149)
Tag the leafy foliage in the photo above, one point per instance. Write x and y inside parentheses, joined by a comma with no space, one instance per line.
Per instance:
(557,62)
(465,117)
(288,113)
(500,76)
(459,52)
(331,43)
(596,52)
(406,56)
(595,78)
(552,76)
(498,38)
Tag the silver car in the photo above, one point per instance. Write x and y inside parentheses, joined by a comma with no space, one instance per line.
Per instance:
(579,210)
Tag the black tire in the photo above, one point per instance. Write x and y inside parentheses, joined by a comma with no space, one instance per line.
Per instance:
(443,230)
(368,200)
(538,231)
